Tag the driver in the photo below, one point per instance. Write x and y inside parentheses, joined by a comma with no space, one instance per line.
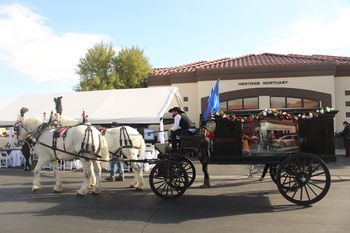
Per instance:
(181,126)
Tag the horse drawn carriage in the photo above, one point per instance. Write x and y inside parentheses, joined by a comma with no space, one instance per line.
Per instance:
(299,169)
(300,173)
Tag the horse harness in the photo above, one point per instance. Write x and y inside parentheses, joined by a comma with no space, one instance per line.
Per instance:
(61,132)
(125,142)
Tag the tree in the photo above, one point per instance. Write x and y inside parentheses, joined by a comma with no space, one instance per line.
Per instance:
(96,69)
(132,68)
(101,69)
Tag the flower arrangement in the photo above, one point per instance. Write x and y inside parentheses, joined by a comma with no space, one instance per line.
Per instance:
(278,114)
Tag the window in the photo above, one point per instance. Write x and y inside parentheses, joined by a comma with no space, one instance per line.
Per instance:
(348,114)
(311,103)
(223,106)
(234,104)
(278,102)
(294,102)
(185,99)
(347,103)
(347,92)
(251,103)
(239,104)
(186,109)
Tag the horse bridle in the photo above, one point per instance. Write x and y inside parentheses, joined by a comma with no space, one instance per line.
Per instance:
(18,127)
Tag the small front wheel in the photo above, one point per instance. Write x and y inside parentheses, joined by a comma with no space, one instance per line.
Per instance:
(168,179)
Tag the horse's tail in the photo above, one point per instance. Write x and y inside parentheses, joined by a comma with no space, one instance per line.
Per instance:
(104,152)
(142,146)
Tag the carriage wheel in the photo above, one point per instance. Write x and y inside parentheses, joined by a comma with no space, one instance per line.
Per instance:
(303,179)
(168,179)
(273,172)
(189,168)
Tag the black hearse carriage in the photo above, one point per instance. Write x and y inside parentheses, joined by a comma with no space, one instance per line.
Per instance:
(296,156)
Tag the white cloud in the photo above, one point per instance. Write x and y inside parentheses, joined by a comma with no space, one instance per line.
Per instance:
(314,35)
(34,49)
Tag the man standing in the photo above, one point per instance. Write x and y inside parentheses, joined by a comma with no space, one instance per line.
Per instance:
(112,163)
(346,138)
(181,125)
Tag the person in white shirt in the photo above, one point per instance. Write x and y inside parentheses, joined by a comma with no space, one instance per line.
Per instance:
(181,125)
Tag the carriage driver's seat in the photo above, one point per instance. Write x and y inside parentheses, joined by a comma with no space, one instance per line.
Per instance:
(190,144)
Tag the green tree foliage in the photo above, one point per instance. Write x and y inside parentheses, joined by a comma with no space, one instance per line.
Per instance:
(132,68)
(102,69)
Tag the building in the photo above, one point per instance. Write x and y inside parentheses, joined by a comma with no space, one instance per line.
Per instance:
(263,81)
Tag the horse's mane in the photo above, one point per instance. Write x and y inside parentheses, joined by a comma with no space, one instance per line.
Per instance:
(31,123)
(66,121)
(130,130)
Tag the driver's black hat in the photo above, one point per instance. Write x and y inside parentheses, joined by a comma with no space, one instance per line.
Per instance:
(177,109)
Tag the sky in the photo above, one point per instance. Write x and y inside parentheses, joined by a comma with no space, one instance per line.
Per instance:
(41,41)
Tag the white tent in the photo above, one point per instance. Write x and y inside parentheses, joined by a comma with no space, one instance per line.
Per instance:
(126,106)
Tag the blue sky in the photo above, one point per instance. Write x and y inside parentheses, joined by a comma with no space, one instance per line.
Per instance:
(41,41)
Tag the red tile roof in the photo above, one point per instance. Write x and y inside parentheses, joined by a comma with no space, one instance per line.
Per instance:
(253,60)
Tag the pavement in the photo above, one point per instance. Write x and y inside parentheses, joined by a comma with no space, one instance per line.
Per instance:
(233,204)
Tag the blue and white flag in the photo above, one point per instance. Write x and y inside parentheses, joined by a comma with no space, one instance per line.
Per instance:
(213,101)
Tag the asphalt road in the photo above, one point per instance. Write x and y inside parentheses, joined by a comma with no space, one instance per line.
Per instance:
(234,204)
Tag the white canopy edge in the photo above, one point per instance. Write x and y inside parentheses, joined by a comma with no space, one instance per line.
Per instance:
(125,106)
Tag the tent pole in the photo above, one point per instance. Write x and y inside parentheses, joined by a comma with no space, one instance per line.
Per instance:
(161,133)
(10,137)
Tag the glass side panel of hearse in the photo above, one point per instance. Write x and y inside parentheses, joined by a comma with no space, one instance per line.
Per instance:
(270,136)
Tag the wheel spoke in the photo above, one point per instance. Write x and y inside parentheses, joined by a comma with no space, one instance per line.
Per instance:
(298,165)
(167,190)
(164,188)
(307,193)
(289,169)
(158,178)
(318,174)
(316,185)
(295,192)
(301,193)
(163,184)
(171,190)
(312,189)
(289,182)
(161,181)
(315,168)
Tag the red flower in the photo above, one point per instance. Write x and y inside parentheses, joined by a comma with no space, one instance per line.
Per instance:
(209,135)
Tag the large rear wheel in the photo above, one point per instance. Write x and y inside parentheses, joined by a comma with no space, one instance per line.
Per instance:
(303,179)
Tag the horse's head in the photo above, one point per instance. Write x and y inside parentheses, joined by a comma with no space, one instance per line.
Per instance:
(24,126)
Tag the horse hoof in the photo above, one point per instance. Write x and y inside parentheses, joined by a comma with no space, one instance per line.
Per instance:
(95,193)
(57,191)
(132,186)
(138,189)
(35,190)
(79,195)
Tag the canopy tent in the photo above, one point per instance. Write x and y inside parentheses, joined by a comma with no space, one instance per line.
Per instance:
(126,106)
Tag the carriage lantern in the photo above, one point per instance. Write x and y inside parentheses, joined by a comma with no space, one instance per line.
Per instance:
(210,126)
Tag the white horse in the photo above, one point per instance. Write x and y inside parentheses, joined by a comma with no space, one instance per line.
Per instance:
(68,148)
(133,148)
(113,137)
